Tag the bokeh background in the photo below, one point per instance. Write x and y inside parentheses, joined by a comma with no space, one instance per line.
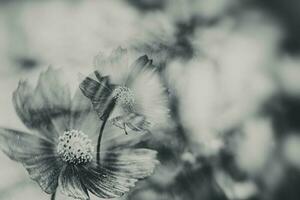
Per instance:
(232,69)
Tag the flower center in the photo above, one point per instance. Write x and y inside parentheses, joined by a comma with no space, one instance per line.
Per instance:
(124,95)
(75,147)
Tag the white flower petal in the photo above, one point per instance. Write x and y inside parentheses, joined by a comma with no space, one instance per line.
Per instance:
(115,65)
(36,154)
(151,98)
(70,183)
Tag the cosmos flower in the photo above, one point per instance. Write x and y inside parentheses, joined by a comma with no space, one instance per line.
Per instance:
(59,151)
(130,96)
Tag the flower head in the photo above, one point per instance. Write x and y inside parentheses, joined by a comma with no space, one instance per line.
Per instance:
(130,96)
(59,153)
(75,147)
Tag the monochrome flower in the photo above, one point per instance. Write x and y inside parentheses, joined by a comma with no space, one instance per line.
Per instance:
(130,96)
(59,153)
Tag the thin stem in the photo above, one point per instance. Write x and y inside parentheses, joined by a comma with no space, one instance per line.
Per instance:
(99,139)
(53,196)
(105,114)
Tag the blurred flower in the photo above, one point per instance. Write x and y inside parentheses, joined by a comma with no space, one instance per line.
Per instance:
(258,133)
(60,153)
(136,97)
(291,150)
(287,75)
(234,189)
(199,105)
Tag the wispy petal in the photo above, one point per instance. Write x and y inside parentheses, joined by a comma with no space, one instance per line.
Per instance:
(142,64)
(47,106)
(89,123)
(133,163)
(151,97)
(115,65)
(36,154)
(80,106)
(56,94)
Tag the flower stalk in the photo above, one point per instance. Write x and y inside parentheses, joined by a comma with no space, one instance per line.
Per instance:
(99,140)
(104,119)
(53,196)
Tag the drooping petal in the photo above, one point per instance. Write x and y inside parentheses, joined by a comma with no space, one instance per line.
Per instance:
(113,139)
(70,183)
(99,93)
(118,172)
(115,65)
(36,154)
(133,121)
(45,108)
(95,90)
